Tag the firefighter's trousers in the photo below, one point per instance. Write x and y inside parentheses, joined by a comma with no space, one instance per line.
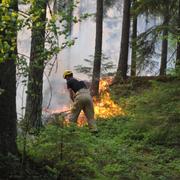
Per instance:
(83,101)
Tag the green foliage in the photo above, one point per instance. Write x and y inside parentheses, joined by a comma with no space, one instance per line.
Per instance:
(146,49)
(32,20)
(143,144)
(8,29)
(153,129)
(11,167)
(66,151)
(174,72)
(147,41)
(157,112)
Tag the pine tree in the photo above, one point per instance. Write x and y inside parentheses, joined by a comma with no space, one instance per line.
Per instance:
(98,48)
(123,58)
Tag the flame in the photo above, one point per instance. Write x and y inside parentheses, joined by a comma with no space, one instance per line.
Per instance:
(104,106)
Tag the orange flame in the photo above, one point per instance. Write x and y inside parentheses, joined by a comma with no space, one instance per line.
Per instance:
(104,106)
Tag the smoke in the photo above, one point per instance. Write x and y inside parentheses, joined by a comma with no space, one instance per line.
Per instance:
(55,94)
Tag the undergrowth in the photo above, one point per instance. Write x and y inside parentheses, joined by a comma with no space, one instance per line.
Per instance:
(143,144)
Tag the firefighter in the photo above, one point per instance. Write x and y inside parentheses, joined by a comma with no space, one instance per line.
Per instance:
(82,100)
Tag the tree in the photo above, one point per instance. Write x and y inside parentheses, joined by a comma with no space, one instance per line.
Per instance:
(98,48)
(164,51)
(143,45)
(70,8)
(8,37)
(134,40)
(40,54)
(36,66)
(178,39)
(146,50)
(123,59)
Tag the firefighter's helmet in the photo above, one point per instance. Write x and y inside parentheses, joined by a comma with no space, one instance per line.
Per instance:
(67,73)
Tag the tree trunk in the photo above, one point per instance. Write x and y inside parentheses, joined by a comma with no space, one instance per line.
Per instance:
(36,68)
(123,59)
(70,6)
(178,42)
(164,51)
(134,45)
(8,115)
(98,48)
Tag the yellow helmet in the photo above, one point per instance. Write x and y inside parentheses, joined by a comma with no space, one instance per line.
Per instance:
(67,73)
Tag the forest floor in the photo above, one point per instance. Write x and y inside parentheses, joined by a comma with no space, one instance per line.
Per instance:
(143,144)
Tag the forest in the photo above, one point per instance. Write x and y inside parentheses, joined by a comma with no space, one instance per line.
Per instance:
(132,70)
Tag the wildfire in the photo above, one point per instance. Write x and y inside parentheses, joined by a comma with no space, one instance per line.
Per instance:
(104,107)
